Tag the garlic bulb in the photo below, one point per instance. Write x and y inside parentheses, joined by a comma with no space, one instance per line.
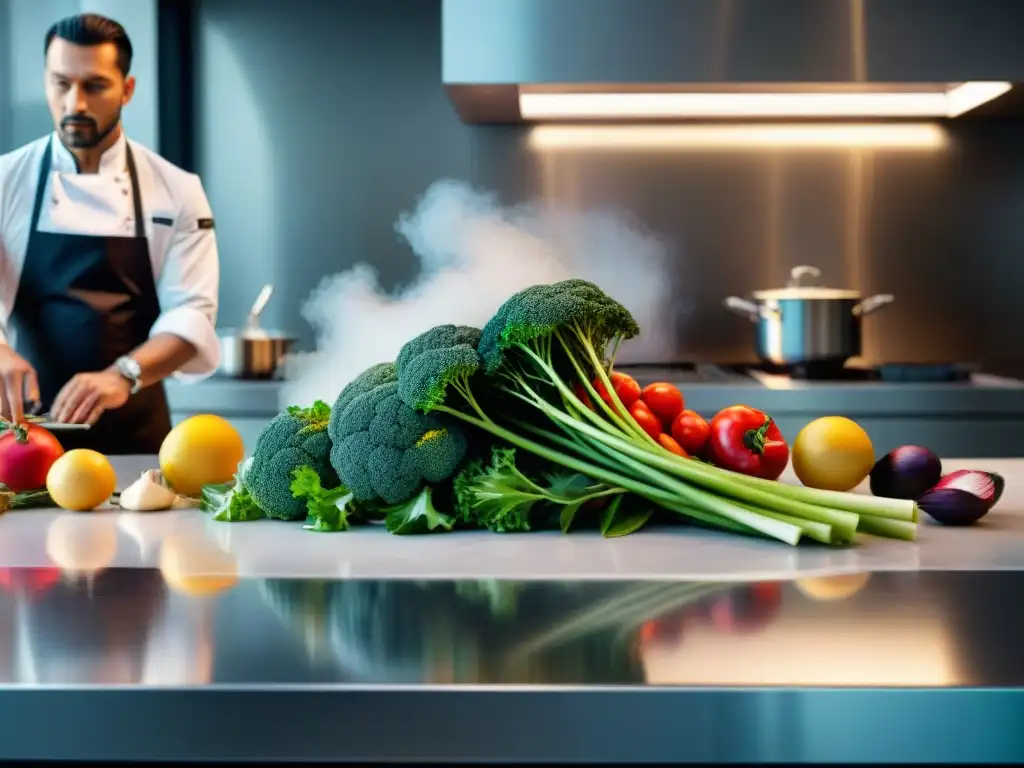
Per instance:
(148,494)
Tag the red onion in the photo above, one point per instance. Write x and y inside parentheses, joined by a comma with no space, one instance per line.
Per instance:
(962,497)
(905,473)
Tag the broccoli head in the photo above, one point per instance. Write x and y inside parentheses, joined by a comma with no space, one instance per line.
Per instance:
(427,365)
(383,449)
(578,309)
(296,438)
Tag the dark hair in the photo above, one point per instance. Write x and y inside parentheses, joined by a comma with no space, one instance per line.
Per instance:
(93,29)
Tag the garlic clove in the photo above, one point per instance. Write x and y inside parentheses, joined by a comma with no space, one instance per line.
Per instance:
(148,494)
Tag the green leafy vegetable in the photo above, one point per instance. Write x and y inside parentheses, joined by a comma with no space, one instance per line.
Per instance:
(500,497)
(418,516)
(232,502)
(327,509)
(24,499)
(622,518)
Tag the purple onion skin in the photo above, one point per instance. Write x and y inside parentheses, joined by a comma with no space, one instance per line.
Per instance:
(905,473)
(951,506)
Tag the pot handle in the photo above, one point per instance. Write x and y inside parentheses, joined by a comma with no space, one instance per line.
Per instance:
(873,303)
(748,309)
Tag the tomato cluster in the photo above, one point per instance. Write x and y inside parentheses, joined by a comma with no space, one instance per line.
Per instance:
(739,438)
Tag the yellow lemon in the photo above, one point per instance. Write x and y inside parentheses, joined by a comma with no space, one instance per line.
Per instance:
(202,450)
(833,453)
(193,565)
(81,480)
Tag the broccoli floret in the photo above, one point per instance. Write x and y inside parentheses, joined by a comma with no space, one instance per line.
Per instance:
(383,449)
(430,362)
(296,438)
(577,311)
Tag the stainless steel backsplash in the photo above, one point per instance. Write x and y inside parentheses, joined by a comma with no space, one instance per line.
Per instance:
(938,226)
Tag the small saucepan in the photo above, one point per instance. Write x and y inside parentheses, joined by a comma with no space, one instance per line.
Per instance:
(254,352)
(802,324)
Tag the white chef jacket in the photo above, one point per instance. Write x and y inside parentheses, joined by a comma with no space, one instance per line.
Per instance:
(178,223)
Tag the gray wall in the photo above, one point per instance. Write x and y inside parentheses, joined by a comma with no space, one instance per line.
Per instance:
(320,122)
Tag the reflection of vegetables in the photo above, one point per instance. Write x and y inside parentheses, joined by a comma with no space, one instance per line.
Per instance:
(749,608)
(499,497)
(747,440)
(905,472)
(83,545)
(196,566)
(840,587)
(298,437)
(515,385)
(27,451)
(147,494)
(232,502)
(382,449)
(302,606)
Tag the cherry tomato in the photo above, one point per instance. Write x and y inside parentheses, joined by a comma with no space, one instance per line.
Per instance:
(669,444)
(581,392)
(625,387)
(648,421)
(746,440)
(691,431)
(664,400)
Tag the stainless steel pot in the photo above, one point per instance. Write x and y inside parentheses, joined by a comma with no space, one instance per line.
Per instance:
(802,324)
(254,355)
(252,352)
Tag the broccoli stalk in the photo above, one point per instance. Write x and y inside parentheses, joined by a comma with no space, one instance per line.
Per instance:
(547,334)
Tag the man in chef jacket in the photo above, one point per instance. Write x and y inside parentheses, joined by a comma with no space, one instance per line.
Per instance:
(108,258)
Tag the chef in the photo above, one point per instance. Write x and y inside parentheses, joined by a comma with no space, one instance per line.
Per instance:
(108,258)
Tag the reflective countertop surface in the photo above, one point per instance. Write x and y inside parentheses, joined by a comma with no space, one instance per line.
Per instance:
(159,627)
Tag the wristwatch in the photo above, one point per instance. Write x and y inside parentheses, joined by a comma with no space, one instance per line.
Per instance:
(131,371)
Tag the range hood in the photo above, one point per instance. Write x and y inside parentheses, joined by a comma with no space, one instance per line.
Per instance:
(536,61)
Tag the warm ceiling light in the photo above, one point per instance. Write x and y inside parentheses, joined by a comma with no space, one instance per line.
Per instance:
(909,136)
(637,106)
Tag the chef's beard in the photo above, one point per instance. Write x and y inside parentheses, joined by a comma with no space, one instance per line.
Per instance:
(89,138)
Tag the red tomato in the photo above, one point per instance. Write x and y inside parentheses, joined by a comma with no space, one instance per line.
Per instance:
(625,387)
(648,421)
(669,444)
(746,440)
(691,431)
(664,400)
(581,392)
(27,452)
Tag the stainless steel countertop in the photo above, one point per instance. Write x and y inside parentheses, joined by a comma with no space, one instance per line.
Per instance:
(168,635)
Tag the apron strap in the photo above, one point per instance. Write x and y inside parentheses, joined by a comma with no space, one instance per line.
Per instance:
(44,178)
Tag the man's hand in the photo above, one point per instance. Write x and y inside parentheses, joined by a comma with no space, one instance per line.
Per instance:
(84,399)
(18,383)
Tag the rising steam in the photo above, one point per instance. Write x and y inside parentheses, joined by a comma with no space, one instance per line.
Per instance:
(475,253)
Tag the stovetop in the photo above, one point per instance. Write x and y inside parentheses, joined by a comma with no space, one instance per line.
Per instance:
(692,372)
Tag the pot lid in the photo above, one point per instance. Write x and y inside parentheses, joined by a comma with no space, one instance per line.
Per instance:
(794,289)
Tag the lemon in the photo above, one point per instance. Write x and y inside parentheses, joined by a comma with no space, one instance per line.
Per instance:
(202,450)
(833,453)
(193,565)
(81,480)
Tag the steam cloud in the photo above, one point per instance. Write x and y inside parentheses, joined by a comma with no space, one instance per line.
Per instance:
(475,253)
